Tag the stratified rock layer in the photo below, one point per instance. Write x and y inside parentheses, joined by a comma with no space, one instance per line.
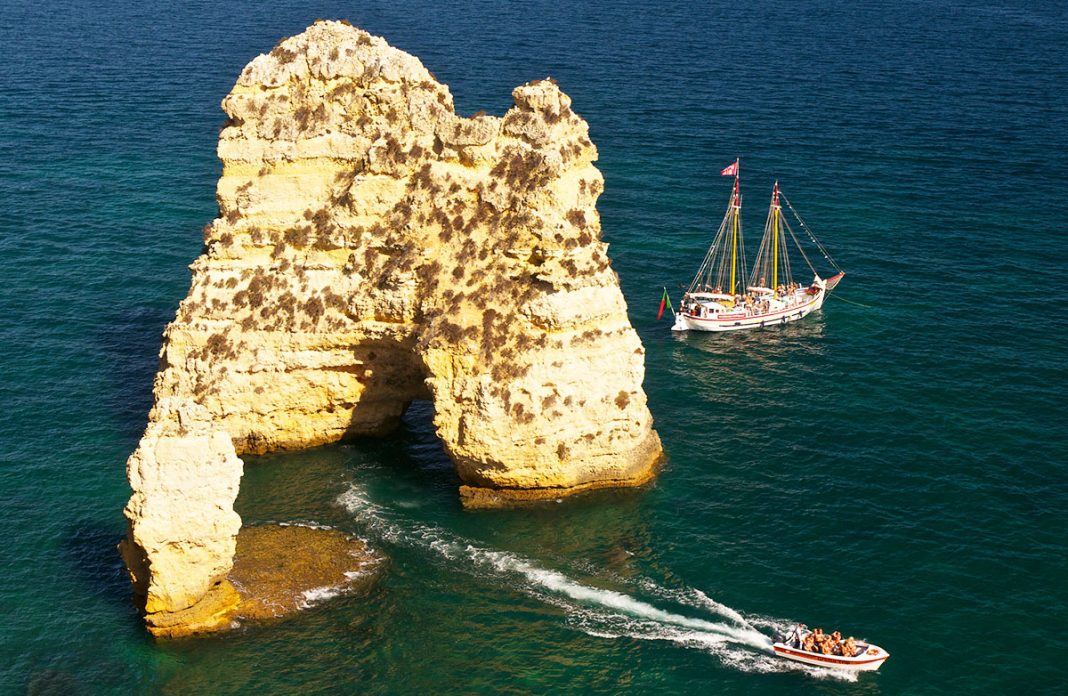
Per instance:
(374,248)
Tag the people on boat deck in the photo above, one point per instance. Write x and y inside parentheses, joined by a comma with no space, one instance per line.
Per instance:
(752,301)
(819,642)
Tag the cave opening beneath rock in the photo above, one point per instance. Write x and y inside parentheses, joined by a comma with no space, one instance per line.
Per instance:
(407,464)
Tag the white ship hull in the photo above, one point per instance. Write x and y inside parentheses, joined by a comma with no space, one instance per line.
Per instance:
(741,320)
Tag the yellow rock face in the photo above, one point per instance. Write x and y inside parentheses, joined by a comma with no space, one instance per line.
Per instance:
(211,613)
(185,476)
(374,248)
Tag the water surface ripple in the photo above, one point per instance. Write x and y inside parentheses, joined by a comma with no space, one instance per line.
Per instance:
(897,471)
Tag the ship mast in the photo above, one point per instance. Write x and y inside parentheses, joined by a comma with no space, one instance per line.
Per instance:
(736,208)
(724,264)
(773,256)
(775,253)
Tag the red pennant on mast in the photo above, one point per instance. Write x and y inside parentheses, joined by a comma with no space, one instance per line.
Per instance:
(731,170)
(665,301)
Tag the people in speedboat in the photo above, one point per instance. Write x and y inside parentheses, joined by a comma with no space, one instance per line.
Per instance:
(818,642)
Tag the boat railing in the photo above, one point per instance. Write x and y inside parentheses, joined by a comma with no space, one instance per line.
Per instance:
(711,296)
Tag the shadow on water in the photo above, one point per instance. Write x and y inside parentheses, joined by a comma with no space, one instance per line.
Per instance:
(412,455)
(414,447)
(54,682)
(304,485)
(91,550)
(127,343)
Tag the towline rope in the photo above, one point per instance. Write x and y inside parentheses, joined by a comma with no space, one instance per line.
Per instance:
(838,297)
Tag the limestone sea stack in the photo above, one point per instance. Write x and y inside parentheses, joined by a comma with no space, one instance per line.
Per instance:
(375,248)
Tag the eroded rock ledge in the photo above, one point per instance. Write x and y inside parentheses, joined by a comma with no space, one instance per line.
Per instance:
(374,248)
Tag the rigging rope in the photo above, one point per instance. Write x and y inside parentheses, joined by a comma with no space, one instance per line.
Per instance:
(763,269)
(823,249)
(715,269)
(798,244)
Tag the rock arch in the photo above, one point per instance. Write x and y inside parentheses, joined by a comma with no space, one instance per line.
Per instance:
(373,248)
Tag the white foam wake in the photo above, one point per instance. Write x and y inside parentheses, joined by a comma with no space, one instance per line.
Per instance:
(597,611)
(317,595)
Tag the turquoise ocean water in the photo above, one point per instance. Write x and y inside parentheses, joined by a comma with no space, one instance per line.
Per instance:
(896,471)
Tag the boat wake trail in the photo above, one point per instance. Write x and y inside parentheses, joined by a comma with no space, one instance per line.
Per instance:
(724,632)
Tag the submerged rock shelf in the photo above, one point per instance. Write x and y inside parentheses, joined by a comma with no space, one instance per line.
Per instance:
(278,570)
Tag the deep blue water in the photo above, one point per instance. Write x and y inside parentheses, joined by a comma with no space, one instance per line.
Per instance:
(897,470)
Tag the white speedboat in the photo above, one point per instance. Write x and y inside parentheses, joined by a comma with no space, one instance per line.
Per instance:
(719,299)
(868,658)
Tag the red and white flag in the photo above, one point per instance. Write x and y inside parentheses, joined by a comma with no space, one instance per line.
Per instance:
(731,170)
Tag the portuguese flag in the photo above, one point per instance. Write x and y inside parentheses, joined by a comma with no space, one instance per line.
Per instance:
(665,301)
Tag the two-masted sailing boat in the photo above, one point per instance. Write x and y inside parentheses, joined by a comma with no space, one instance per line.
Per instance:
(722,298)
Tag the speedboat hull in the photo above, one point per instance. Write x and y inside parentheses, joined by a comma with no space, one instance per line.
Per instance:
(869,659)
